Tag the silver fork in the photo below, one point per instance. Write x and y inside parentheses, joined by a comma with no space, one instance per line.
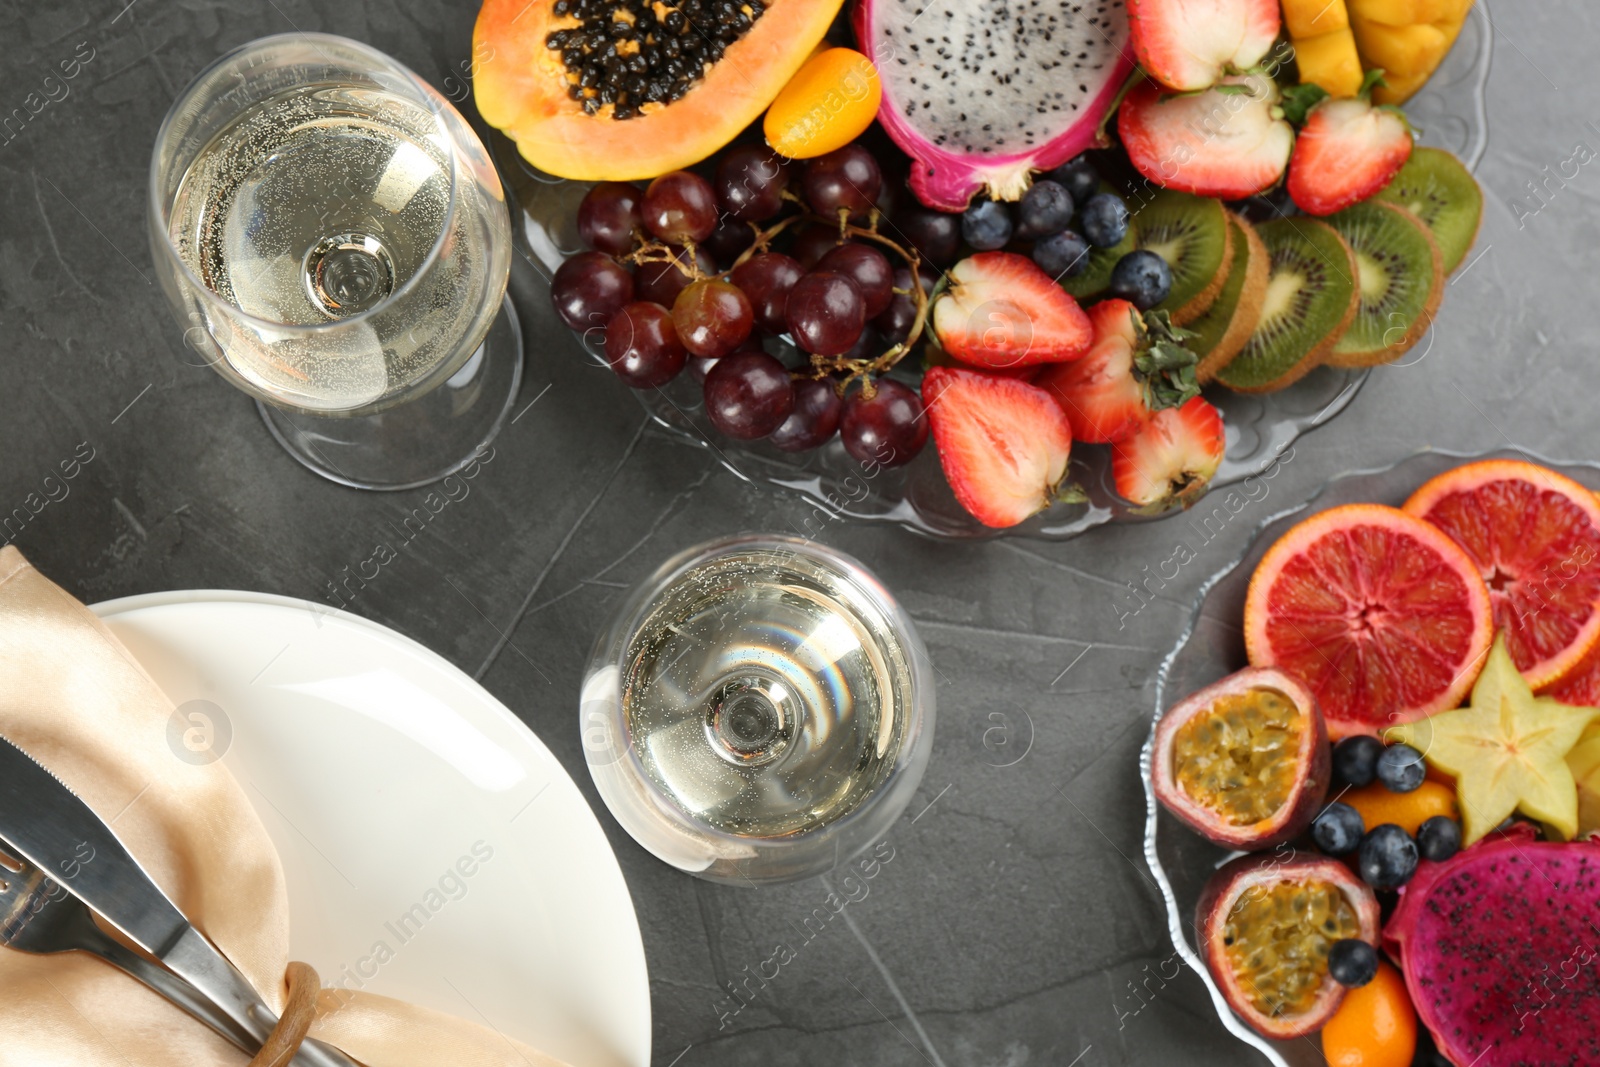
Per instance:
(39,916)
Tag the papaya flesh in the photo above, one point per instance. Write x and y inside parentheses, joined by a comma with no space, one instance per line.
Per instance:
(521,87)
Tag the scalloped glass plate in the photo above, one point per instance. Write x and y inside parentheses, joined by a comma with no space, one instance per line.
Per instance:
(1449,113)
(1212,646)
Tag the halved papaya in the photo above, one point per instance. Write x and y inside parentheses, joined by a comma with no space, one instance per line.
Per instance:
(524,86)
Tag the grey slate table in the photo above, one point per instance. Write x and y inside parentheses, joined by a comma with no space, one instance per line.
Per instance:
(1015,923)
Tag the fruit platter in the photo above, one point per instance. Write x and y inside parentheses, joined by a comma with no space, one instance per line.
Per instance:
(930,264)
(1374,776)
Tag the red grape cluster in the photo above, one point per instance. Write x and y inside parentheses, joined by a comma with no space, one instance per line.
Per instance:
(697,273)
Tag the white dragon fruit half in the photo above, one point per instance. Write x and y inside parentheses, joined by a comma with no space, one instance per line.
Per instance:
(982,93)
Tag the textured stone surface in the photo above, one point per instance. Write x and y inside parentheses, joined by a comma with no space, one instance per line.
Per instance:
(1015,920)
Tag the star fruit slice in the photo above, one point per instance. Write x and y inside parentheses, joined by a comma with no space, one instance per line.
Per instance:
(1507,750)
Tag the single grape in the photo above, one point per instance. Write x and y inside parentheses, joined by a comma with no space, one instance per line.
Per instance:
(935,235)
(986,225)
(1046,208)
(712,317)
(1062,255)
(750,182)
(847,178)
(868,268)
(589,288)
(661,282)
(814,242)
(897,319)
(748,395)
(766,279)
(608,217)
(825,313)
(815,417)
(700,366)
(1104,219)
(888,429)
(729,240)
(642,345)
(1079,179)
(680,207)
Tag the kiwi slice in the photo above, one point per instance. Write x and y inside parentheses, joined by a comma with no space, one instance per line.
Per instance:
(1310,303)
(1436,187)
(1227,324)
(1189,232)
(1400,282)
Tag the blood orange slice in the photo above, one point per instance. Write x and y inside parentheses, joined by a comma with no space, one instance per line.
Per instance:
(1383,617)
(1579,687)
(1535,537)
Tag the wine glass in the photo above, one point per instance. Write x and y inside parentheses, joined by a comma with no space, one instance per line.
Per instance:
(335,240)
(759,711)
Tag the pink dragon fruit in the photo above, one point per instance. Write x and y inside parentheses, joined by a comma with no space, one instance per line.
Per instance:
(981,95)
(1501,951)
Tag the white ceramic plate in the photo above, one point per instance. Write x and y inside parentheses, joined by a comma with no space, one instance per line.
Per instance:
(383,774)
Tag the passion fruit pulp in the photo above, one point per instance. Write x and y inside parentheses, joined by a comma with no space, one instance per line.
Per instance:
(1245,761)
(1265,925)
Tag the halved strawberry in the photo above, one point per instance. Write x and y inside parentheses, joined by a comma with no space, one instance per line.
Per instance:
(1003,443)
(1172,457)
(1347,151)
(1225,142)
(1001,310)
(1190,44)
(1137,365)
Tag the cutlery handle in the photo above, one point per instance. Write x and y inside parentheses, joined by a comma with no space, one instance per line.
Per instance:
(194,959)
(177,991)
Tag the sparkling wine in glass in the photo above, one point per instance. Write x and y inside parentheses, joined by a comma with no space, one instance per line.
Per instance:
(331,232)
(760,710)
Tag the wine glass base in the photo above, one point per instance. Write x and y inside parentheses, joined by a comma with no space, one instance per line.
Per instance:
(422,440)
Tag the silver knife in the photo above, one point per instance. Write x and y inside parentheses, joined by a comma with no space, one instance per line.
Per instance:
(58,833)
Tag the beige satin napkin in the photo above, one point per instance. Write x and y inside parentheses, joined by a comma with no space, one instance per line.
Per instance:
(74,699)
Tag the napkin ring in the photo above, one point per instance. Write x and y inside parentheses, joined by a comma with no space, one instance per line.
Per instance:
(284,1041)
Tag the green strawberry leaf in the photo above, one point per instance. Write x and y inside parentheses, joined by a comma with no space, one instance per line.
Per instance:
(1164,367)
(1298,100)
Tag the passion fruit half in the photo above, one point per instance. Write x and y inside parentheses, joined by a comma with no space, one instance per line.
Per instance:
(1265,924)
(1244,761)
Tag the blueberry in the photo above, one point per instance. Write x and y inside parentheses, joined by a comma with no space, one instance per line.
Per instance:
(1352,962)
(986,225)
(1338,829)
(1355,760)
(1142,278)
(1388,857)
(1046,208)
(1439,838)
(1062,255)
(1104,218)
(1401,769)
(1079,179)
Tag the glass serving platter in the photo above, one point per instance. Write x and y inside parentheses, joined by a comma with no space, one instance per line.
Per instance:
(1211,647)
(1449,112)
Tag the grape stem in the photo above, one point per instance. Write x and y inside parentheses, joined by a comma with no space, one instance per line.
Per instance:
(865,368)
(821,366)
